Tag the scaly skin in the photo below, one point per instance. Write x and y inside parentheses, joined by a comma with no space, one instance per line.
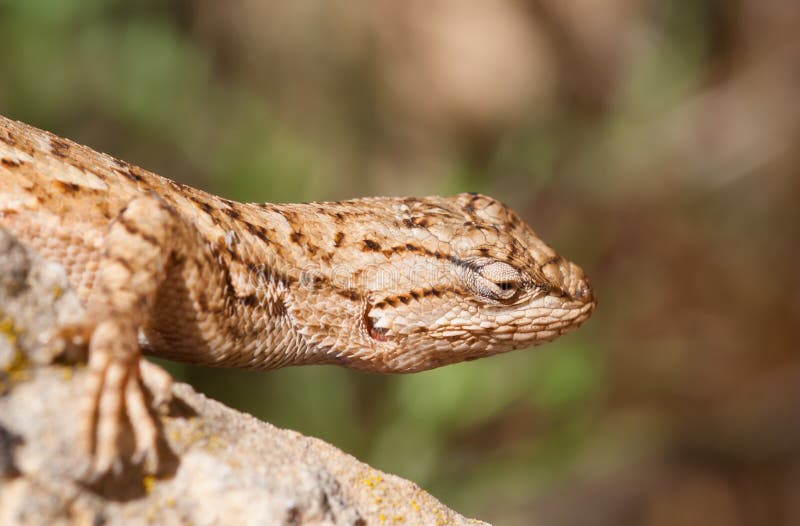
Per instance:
(389,285)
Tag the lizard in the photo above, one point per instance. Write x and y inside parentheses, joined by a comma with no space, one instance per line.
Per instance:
(381,284)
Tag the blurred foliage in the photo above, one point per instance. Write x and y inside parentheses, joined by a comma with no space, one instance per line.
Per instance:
(652,142)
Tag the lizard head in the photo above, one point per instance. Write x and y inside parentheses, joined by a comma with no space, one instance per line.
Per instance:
(438,280)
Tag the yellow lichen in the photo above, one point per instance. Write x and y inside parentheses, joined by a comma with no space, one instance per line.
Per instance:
(148,483)
(17,368)
(175,435)
(8,330)
(373,481)
(18,365)
(214,443)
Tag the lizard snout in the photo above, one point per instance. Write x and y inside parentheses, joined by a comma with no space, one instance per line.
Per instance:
(571,279)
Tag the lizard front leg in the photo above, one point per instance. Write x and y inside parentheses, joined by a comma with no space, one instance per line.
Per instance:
(137,250)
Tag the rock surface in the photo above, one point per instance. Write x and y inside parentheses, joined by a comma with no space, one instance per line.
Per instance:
(228,467)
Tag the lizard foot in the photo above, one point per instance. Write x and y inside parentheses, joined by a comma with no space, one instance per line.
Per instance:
(116,402)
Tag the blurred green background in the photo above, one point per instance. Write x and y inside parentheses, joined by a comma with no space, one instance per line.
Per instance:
(653,142)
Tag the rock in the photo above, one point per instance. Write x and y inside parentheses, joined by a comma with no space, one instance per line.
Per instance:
(228,467)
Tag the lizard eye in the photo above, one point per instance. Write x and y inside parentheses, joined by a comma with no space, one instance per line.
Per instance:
(506,285)
(496,281)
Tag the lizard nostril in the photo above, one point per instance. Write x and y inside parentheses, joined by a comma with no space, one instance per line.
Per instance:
(569,277)
(584,292)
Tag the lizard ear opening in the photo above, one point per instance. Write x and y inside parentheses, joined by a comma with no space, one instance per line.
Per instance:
(376,333)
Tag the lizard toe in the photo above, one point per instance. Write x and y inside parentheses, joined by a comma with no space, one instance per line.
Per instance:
(145,428)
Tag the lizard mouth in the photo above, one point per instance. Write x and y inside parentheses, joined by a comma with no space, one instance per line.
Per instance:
(538,319)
